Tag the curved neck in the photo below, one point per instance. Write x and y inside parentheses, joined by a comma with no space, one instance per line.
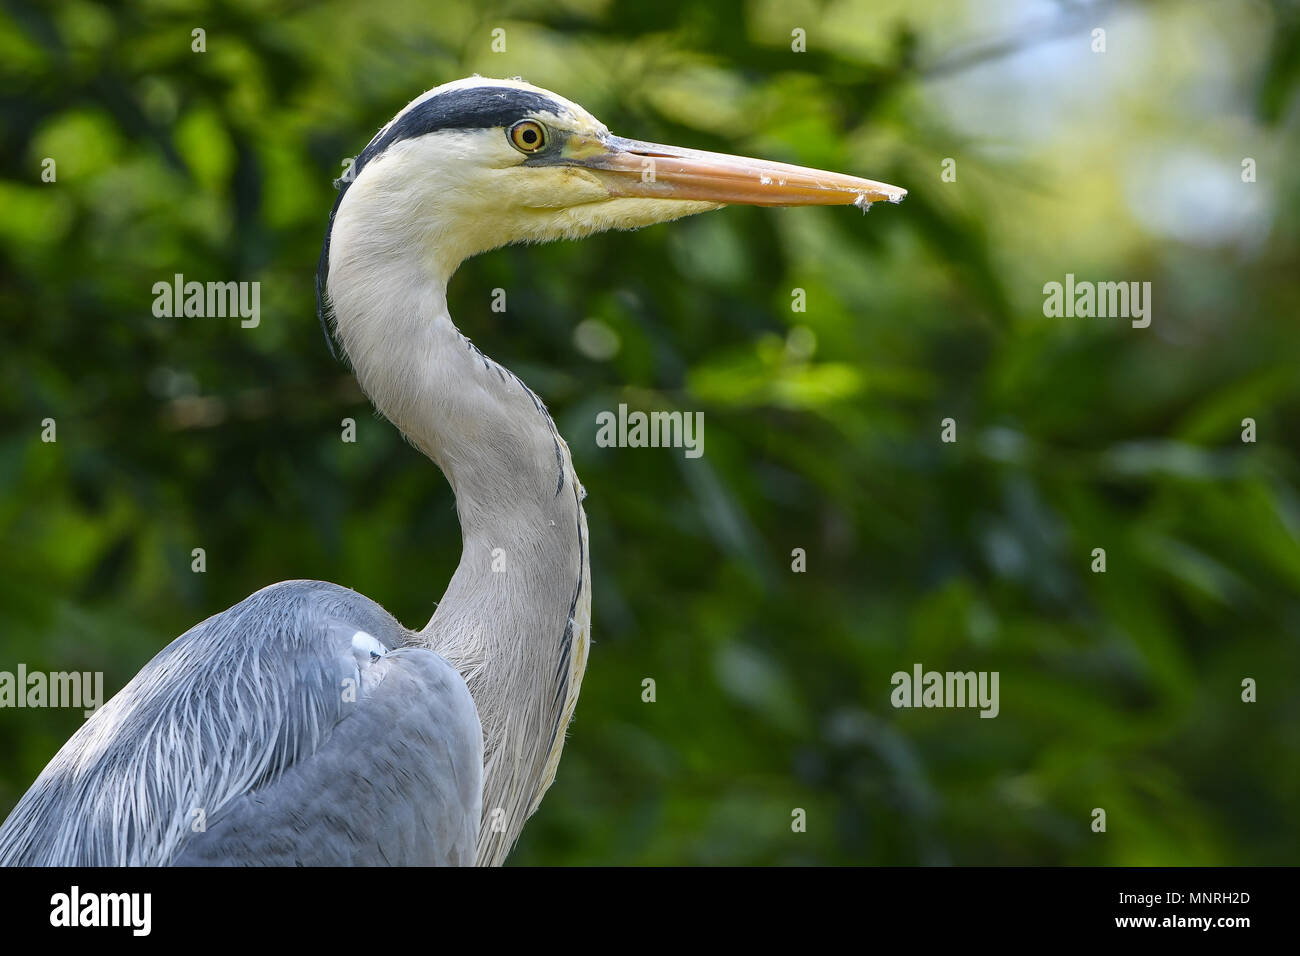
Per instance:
(514,617)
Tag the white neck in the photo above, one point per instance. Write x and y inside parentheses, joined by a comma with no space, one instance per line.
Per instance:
(515,617)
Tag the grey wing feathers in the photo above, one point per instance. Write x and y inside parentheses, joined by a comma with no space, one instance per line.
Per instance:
(293,728)
(390,787)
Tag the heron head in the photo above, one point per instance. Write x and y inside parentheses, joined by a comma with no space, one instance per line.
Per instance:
(481,163)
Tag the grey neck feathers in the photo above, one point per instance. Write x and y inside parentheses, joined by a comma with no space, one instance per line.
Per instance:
(514,618)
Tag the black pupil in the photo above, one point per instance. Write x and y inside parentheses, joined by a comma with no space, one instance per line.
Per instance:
(530,136)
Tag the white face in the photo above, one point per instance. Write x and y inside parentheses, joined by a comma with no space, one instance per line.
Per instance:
(475,185)
(554,173)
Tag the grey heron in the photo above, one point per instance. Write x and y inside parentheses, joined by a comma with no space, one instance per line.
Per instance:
(305,725)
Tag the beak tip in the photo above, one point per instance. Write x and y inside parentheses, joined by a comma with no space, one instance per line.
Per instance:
(879,193)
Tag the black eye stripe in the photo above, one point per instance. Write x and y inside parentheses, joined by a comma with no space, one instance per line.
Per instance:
(475,107)
(479,107)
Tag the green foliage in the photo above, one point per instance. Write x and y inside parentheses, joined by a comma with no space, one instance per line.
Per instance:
(1119,690)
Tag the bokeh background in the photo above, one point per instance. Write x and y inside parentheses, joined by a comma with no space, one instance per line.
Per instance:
(1119,690)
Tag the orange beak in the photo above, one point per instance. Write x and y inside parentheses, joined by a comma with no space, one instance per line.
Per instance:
(651,170)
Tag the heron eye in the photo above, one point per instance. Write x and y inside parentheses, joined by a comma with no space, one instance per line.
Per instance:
(527,136)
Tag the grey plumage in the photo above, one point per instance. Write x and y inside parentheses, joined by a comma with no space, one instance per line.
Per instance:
(266,725)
